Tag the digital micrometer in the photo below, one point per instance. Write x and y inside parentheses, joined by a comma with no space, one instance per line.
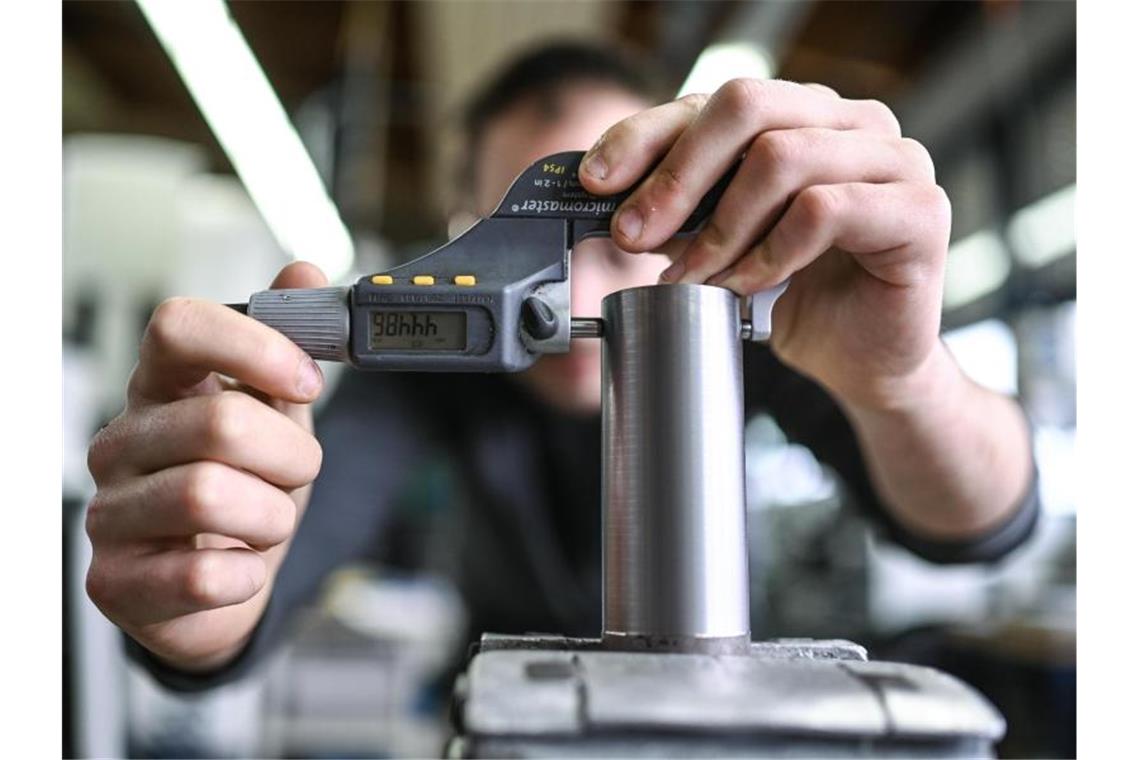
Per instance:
(492,300)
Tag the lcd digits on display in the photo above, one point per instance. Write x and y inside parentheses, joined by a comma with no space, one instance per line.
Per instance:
(419,330)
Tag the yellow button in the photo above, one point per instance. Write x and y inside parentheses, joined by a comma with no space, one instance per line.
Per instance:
(466,280)
(423,279)
(381,279)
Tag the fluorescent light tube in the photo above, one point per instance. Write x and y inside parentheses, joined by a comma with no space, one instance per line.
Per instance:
(1046,229)
(241,108)
(975,266)
(723,61)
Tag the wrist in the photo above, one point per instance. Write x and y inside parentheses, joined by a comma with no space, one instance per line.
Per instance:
(934,383)
(950,458)
(200,662)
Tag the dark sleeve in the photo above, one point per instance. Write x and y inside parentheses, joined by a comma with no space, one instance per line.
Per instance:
(809,416)
(370,436)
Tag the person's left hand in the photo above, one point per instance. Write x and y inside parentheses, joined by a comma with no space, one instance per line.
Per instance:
(828,192)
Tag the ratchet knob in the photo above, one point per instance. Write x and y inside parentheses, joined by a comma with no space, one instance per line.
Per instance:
(316,319)
(538,319)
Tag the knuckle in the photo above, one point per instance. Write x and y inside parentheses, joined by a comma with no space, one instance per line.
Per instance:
(880,114)
(743,98)
(255,578)
(203,580)
(101,452)
(94,522)
(202,491)
(747,282)
(712,238)
(98,584)
(939,199)
(939,208)
(227,418)
(168,323)
(818,204)
(669,181)
(694,102)
(281,519)
(776,149)
(311,462)
(664,190)
(135,383)
(708,249)
(818,87)
(917,154)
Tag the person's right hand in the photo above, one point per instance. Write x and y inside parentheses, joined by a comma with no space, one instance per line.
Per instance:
(203,478)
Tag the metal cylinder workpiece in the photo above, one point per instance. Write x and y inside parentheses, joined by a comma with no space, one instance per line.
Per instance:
(675,561)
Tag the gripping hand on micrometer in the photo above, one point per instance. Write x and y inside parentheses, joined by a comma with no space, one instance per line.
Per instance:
(830,195)
(204,476)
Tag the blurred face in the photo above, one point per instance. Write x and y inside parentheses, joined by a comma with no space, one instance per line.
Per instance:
(571,382)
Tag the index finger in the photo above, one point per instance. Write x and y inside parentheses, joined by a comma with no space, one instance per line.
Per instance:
(714,140)
(187,339)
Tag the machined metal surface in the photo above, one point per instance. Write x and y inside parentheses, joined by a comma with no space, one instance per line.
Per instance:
(780,649)
(675,565)
(585,327)
(784,699)
(758,325)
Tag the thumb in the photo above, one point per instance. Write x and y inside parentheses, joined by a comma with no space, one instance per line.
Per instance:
(299,274)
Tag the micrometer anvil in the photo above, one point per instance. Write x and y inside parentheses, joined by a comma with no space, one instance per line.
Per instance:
(491,300)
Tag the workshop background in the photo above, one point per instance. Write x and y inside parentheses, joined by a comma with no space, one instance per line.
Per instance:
(153,207)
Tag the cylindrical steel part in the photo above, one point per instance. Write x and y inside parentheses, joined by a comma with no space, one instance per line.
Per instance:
(675,563)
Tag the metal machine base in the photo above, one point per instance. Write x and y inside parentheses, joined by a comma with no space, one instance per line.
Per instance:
(549,696)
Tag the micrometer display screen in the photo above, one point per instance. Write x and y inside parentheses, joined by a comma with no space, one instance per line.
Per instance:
(419,330)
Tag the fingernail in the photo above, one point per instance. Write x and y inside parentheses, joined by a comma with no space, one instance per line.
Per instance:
(309,378)
(595,166)
(674,272)
(629,224)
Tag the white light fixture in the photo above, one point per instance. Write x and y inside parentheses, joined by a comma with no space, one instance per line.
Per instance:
(1046,229)
(976,266)
(723,61)
(239,104)
(987,352)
